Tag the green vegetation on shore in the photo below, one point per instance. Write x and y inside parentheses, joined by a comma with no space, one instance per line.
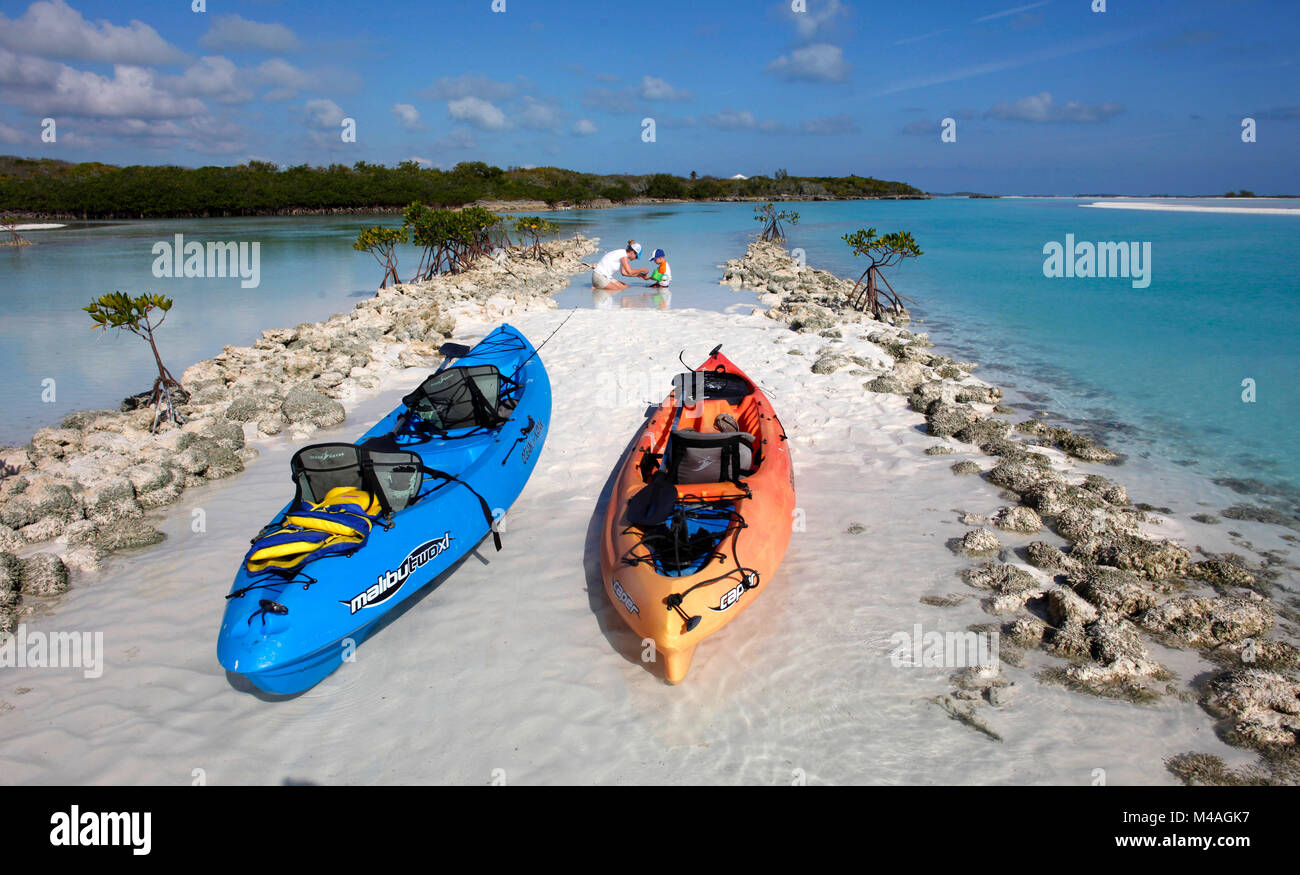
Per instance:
(101,191)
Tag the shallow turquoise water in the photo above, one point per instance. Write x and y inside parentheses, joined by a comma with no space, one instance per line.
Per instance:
(1161,368)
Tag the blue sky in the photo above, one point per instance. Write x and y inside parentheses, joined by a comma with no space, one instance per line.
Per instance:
(1048,97)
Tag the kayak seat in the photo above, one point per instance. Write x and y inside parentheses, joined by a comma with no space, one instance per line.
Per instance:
(393,477)
(466,396)
(709,457)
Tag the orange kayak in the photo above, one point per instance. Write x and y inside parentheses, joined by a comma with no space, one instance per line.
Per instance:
(701,512)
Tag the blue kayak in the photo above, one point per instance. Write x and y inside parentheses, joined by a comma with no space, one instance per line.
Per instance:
(372,522)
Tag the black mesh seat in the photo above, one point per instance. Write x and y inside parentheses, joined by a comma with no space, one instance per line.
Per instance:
(466,396)
(395,478)
(709,457)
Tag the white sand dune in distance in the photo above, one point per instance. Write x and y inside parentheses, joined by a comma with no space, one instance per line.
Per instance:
(1191,208)
(32,227)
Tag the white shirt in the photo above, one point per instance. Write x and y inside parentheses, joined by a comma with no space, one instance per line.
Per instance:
(610,263)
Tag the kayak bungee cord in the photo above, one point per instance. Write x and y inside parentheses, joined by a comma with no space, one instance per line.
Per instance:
(749,577)
(267,583)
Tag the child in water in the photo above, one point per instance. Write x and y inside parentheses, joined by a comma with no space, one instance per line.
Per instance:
(662,273)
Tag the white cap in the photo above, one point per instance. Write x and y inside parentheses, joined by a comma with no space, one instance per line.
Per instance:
(636,247)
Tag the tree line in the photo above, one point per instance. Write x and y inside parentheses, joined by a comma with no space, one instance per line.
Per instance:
(101,191)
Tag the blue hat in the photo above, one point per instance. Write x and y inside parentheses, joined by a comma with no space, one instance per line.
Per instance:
(659,253)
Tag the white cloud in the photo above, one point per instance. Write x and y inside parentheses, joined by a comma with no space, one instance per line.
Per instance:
(423,162)
(286,79)
(654,88)
(627,100)
(732,120)
(478,112)
(817,17)
(539,115)
(50,88)
(11,136)
(237,32)
(213,78)
(407,116)
(817,62)
(1042,108)
(203,133)
(323,113)
(27,72)
(584,127)
(469,85)
(52,29)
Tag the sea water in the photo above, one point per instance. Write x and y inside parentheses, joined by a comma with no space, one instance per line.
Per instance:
(1165,370)
(1168,370)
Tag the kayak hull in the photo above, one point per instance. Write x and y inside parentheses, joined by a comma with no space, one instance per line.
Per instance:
(335,603)
(722,589)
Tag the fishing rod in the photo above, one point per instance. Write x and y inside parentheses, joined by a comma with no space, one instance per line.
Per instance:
(539,346)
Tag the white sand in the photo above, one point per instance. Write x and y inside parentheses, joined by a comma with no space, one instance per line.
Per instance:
(31,227)
(517,662)
(1195,208)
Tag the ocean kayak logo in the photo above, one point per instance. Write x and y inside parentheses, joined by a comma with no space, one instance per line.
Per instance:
(622,596)
(391,581)
(530,445)
(1126,260)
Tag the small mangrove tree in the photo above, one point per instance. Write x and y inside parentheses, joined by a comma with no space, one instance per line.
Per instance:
(771,219)
(382,244)
(530,230)
(882,251)
(137,315)
(449,240)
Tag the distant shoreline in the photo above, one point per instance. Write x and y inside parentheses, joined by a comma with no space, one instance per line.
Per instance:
(495,206)
(606,204)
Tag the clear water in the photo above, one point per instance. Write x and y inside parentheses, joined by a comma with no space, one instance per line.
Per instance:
(1160,368)
(308,272)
